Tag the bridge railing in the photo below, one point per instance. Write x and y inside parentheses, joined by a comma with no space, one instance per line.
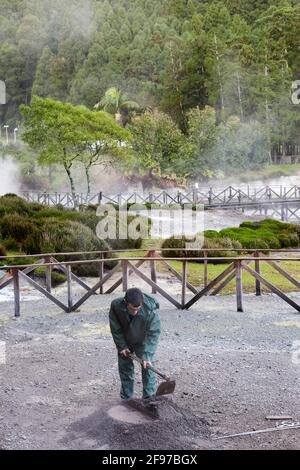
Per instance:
(145,268)
(207,196)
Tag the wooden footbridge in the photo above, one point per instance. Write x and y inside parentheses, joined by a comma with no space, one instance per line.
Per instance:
(144,267)
(272,201)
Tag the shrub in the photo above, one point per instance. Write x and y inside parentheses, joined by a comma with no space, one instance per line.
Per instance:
(209,243)
(173,242)
(32,243)
(2,250)
(12,203)
(289,239)
(256,243)
(127,243)
(18,261)
(211,234)
(18,227)
(57,278)
(70,237)
(251,239)
(11,244)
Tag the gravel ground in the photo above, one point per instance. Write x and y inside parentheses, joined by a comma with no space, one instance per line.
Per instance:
(232,371)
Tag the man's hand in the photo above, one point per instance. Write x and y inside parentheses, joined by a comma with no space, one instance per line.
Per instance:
(125,352)
(146,364)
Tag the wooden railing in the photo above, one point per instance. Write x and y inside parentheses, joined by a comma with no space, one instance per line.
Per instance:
(126,266)
(212,197)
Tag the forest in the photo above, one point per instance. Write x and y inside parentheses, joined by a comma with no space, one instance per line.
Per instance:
(199,89)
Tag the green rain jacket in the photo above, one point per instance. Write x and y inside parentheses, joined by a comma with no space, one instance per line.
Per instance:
(143,329)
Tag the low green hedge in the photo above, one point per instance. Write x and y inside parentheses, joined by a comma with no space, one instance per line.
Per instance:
(2,249)
(57,278)
(209,243)
(33,228)
(263,235)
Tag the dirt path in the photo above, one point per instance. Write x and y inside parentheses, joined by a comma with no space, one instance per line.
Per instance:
(232,370)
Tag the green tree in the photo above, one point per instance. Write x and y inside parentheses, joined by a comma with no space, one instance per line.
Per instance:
(156,145)
(62,133)
(114,102)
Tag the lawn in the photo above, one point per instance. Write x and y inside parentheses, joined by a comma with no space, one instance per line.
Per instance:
(196,271)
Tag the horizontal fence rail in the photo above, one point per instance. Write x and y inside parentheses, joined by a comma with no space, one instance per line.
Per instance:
(145,268)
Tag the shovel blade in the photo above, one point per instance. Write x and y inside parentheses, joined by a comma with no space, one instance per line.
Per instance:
(166,387)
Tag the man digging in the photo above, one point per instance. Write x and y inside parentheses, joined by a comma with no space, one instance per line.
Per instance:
(135,327)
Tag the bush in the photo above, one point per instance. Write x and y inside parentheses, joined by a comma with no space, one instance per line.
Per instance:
(251,239)
(15,226)
(68,237)
(11,244)
(289,239)
(11,203)
(57,278)
(2,250)
(211,234)
(18,261)
(173,242)
(210,243)
(127,243)
(263,235)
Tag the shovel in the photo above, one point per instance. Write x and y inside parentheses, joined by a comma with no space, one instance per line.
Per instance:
(165,387)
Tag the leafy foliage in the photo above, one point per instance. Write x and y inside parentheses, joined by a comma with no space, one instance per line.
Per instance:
(222,70)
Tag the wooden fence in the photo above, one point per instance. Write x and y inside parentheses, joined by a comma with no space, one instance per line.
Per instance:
(126,266)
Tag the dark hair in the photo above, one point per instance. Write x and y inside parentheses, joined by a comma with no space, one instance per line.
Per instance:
(134,296)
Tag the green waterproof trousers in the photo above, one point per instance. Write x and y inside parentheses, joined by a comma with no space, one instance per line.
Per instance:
(126,372)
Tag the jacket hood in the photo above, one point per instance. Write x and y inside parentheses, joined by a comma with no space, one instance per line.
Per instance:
(150,302)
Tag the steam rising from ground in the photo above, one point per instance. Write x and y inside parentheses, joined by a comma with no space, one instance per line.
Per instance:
(9,176)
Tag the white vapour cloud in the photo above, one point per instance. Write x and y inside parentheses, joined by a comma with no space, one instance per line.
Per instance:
(9,176)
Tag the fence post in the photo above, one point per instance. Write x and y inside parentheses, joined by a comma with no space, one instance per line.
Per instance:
(257,269)
(184,279)
(69,281)
(239,286)
(152,254)
(124,275)
(205,269)
(210,196)
(15,273)
(101,272)
(48,274)
(195,196)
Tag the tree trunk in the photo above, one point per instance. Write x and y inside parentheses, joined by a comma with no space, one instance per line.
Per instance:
(72,185)
(88,178)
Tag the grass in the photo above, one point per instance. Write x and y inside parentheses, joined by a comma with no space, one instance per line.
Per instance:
(196,275)
(196,271)
(272,171)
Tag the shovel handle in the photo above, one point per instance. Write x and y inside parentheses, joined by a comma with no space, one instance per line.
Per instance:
(140,361)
